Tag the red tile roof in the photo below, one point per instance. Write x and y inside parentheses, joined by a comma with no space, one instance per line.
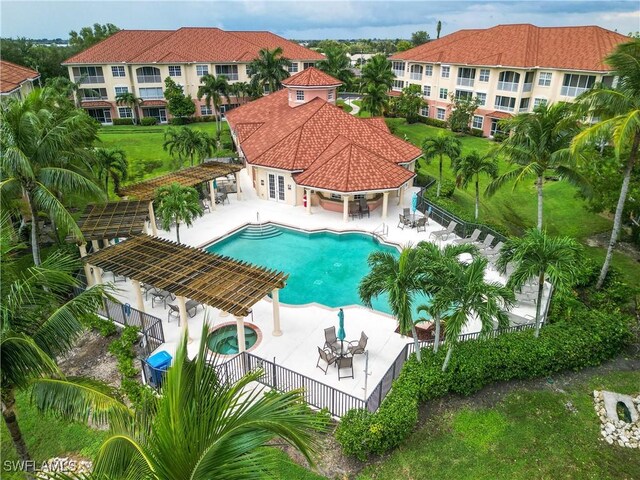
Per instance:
(335,150)
(187,44)
(12,76)
(95,103)
(521,45)
(378,122)
(153,103)
(497,114)
(311,77)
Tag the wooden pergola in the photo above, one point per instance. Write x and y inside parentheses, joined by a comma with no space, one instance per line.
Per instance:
(215,280)
(114,220)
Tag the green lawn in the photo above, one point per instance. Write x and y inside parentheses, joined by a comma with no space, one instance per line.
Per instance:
(345,106)
(529,435)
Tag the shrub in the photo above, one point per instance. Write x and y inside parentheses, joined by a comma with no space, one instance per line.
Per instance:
(434,122)
(123,121)
(447,188)
(589,339)
(476,132)
(148,121)
(181,120)
(499,137)
(141,168)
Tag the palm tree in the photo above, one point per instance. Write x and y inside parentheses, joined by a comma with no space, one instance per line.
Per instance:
(619,111)
(67,88)
(469,168)
(188,143)
(377,71)
(538,257)
(177,204)
(240,90)
(402,278)
(538,142)
(465,295)
(111,162)
(44,150)
(214,89)
(439,146)
(269,69)
(375,99)
(130,100)
(337,64)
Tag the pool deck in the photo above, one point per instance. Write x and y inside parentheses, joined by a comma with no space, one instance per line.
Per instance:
(303,326)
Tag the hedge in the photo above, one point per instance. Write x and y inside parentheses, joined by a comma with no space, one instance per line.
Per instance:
(122,121)
(148,121)
(568,345)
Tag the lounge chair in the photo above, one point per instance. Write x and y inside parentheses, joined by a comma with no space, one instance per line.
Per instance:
(354,210)
(404,221)
(470,239)
(493,252)
(421,224)
(357,348)
(364,208)
(345,363)
(486,243)
(160,296)
(191,306)
(442,234)
(331,340)
(327,356)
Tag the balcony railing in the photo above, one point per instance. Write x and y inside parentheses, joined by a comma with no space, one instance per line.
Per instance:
(152,96)
(572,91)
(229,76)
(508,86)
(415,76)
(465,81)
(149,79)
(94,98)
(526,87)
(398,73)
(503,108)
(89,79)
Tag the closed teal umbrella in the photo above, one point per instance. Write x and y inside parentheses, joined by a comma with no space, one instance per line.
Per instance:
(414,202)
(341,333)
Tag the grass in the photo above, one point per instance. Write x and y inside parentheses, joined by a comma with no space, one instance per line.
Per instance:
(529,435)
(345,106)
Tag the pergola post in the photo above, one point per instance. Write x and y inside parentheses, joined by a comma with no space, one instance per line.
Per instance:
(345,208)
(138,292)
(212,194)
(145,228)
(275,297)
(94,244)
(401,197)
(182,308)
(308,194)
(385,204)
(97,275)
(238,189)
(87,268)
(105,242)
(152,219)
(240,329)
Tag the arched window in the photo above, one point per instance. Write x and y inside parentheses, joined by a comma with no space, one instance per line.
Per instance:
(148,75)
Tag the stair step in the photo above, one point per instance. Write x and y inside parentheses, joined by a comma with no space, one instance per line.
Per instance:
(256,232)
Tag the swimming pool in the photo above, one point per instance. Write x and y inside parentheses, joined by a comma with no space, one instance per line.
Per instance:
(323,267)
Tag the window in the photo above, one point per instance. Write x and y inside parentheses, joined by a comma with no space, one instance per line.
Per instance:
(306,65)
(428,70)
(330,95)
(125,112)
(175,71)
(445,71)
(148,75)
(299,95)
(152,93)
(204,110)
(477,122)
(507,104)
(293,68)
(426,90)
(88,74)
(424,111)
(397,68)
(102,115)
(202,70)
(484,74)
(359,196)
(482,98)
(573,85)
(508,81)
(336,196)
(416,72)
(397,85)
(228,71)
(444,93)
(118,71)
(121,90)
(466,77)
(159,114)
(93,93)
(544,80)
(524,104)
(539,101)
(464,94)
(440,114)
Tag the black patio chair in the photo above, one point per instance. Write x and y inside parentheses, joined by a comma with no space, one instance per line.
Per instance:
(358,348)
(364,208)
(354,210)
(345,363)
(421,224)
(327,356)
(330,339)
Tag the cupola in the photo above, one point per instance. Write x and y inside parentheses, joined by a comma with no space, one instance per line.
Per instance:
(309,84)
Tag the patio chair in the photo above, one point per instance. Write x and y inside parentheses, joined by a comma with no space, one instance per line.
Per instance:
(118,278)
(330,339)
(421,224)
(470,239)
(344,363)
(486,243)
(442,234)
(191,307)
(327,356)
(354,210)
(357,348)
(364,208)
(493,252)
(406,212)
(222,197)
(205,205)
(160,296)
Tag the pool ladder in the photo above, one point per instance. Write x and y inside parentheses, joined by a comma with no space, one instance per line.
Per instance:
(381,231)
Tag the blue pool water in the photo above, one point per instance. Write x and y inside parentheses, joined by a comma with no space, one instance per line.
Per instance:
(323,267)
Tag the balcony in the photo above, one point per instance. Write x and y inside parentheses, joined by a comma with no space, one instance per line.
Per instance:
(398,73)
(572,91)
(508,86)
(415,76)
(526,87)
(504,108)
(149,79)
(93,98)
(229,76)
(465,82)
(89,79)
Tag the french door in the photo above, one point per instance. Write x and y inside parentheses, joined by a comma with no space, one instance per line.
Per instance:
(276,187)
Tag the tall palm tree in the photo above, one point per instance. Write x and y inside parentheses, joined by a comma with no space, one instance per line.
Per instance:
(439,146)
(539,142)
(377,71)
(465,295)
(188,143)
(375,99)
(214,89)
(44,150)
(240,90)
(469,168)
(130,100)
(402,278)
(177,204)
(111,162)
(538,257)
(67,88)
(269,69)
(337,64)
(619,111)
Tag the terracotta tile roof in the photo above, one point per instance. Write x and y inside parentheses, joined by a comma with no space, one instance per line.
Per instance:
(378,122)
(497,114)
(12,76)
(207,45)
(521,45)
(393,93)
(95,103)
(153,103)
(317,136)
(311,77)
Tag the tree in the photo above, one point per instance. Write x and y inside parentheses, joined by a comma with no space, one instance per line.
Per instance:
(439,146)
(438,29)
(240,90)
(130,100)
(45,59)
(419,37)
(469,168)
(187,143)
(178,104)
(337,64)
(67,88)
(462,108)
(177,204)
(44,150)
(404,45)
(619,111)
(269,69)
(410,102)
(402,278)
(465,294)
(375,99)
(377,71)
(88,36)
(111,162)
(538,142)
(538,257)
(214,89)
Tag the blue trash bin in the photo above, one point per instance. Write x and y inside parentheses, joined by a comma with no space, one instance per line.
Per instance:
(159,364)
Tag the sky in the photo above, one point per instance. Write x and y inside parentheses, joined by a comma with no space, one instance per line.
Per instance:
(303,19)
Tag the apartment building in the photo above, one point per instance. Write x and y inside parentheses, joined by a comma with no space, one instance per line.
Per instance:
(509,68)
(15,80)
(138,61)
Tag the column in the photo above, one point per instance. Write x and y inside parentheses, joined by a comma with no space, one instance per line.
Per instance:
(239,194)
(308,194)
(182,307)
(212,194)
(240,328)
(138,292)
(95,245)
(145,228)
(97,275)
(385,204)
(401,195)
(105,243)
(345,208)
(276,312)
(152,219)
(87,267)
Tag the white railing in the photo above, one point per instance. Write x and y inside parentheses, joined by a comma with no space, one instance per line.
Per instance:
(572,91)
(415,76)
(381,231)
(229,76)
(149,79)
(526,87)
(508,86)
(465,81)
(148,96)
(90,79)
(503,108)
(398,73)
